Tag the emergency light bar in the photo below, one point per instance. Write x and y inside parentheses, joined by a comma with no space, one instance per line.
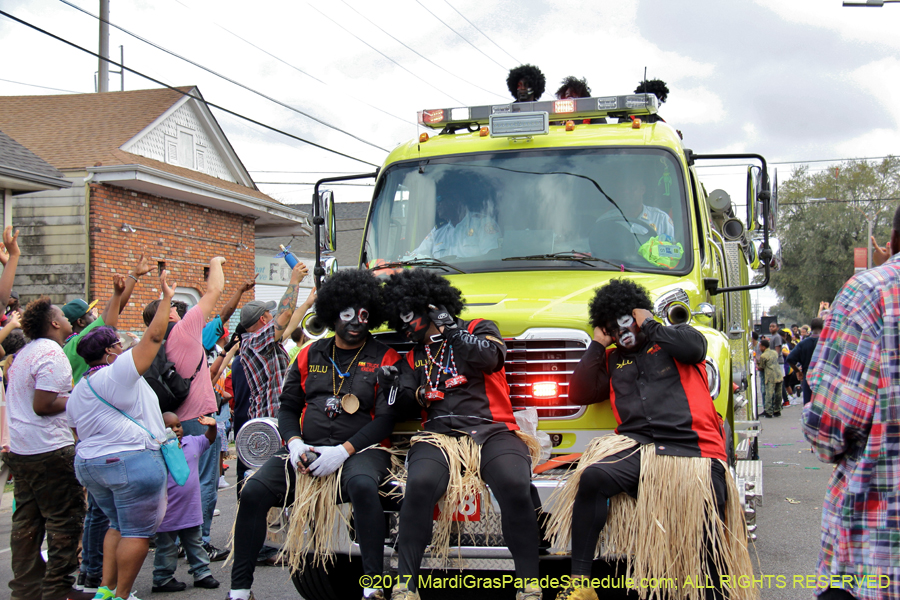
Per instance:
(556,110)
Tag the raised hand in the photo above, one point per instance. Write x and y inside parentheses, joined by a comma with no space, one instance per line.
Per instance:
(168,289)
(10,241)
(601,337)
(142,267)
(118,283)
(248,285)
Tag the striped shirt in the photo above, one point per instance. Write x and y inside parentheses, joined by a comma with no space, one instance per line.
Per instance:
(265,363)
(853,421)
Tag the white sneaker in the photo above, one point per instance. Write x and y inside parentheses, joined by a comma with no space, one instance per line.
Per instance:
(216,512)
(222,482)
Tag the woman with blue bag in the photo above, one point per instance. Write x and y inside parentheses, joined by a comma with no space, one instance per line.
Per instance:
(119,457)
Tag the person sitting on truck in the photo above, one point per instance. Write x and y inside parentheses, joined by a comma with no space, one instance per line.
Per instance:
(572,87)
(334,404)
(470,436)
(668,453)
(526,83)
(462,228)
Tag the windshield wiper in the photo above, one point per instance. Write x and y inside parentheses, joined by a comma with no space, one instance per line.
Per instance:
(418,262)
(581,257)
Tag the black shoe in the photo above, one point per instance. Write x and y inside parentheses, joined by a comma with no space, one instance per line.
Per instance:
(79,583)
(215,555)
(209,582)
(778,414)
(767,415)
(173,585)
(91,583)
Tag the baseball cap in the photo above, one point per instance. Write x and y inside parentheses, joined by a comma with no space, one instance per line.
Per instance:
(75,309)
(253,310)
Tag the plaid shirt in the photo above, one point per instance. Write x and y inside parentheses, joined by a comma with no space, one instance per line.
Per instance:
(265,363)
(853,421)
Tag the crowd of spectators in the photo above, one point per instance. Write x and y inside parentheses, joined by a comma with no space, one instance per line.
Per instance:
(83,434)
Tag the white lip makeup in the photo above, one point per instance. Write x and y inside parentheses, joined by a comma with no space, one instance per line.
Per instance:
(626,339)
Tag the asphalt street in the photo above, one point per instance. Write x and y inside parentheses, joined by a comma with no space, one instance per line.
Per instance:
(787,545)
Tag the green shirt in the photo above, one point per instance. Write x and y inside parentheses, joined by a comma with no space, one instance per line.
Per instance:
(79,367)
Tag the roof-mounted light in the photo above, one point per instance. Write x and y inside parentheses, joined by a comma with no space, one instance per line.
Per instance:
(572,108)
(564,106)
(519,124)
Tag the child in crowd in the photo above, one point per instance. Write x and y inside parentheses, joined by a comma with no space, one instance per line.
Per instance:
(184,516)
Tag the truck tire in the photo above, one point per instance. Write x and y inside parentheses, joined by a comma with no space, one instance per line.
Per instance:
(340,581)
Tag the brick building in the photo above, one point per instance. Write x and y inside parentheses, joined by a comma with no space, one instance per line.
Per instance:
(152,172)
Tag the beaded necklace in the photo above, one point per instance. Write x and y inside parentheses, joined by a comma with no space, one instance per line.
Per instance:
(348,402)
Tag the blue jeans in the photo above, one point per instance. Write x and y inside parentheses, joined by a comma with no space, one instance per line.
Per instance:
(130,488)
(95,526)
(209,475)
(166,560)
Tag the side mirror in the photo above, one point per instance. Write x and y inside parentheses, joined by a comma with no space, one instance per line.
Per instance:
(330,264)
(773,205)
(754,208)
(329,238)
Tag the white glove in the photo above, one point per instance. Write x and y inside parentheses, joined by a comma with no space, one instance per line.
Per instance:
(330,459)
(297,448)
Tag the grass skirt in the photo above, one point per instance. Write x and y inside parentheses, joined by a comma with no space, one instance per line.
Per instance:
(663,532)
(463,456)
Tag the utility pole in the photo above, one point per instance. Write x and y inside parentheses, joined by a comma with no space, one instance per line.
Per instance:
(103,76)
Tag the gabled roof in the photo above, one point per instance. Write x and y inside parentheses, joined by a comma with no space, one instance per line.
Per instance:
(76,131)
(138,131)
(22,170)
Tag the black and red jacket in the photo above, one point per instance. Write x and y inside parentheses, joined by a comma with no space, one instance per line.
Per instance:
(308,386)
(481,406)
(658,392)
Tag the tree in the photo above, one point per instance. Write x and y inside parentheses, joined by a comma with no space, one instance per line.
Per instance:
(822,218)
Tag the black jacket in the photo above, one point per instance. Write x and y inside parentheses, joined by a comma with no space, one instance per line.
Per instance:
(308,386)
(480,407)
(659,392)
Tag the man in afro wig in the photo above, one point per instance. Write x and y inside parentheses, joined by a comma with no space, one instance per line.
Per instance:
(350,288)
(411,291)
(526,83)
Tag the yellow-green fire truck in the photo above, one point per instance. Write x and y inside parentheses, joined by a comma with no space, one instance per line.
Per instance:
(528,208)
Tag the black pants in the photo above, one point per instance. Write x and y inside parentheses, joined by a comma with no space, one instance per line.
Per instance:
(601,481)
(505,467)
(362,475)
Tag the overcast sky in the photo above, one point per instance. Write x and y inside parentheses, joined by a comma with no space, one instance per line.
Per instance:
(793,80)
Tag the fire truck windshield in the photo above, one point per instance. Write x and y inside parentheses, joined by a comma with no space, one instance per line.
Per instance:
(587,208)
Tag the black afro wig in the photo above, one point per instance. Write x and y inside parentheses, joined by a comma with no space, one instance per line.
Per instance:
(579,87)
(412,290)
(350,287)
(616,298)
(653,86)
(532,76)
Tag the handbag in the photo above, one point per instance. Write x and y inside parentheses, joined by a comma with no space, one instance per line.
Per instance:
(172,453)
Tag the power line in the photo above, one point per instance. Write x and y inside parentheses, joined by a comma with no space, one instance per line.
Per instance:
(483,33)
(383,54)
(311,183)
(803,162)
(459,34)
(834,201)
(299,70)
(199,99)
(308,172)
(43,87)
(420,55)
(228,79)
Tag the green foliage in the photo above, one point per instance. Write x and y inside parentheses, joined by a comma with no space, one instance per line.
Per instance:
(821,220)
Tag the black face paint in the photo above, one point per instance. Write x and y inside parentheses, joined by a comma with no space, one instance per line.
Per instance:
(352,325)
(415,326)
(626,333)
(525,94)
